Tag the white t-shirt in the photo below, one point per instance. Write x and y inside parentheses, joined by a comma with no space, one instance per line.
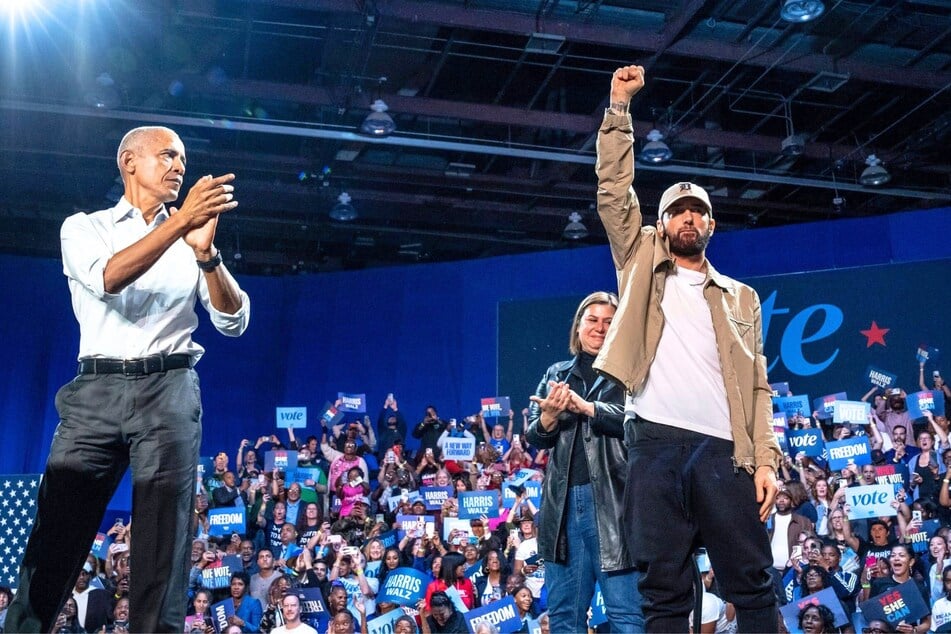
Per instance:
(684,387)
(940,613)
(535,580)
(713,609)
(780,541)
(302,628)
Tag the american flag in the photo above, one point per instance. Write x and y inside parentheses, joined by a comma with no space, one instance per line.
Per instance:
(17,511)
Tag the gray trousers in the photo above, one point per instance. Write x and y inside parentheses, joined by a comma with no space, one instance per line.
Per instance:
(109,422)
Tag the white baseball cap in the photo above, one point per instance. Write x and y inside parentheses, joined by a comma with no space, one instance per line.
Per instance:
(683,190)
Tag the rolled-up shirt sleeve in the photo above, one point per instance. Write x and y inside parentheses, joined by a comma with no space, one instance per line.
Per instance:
(85,254)
(228,325)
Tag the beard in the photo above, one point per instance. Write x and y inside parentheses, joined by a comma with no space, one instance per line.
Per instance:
(689,246)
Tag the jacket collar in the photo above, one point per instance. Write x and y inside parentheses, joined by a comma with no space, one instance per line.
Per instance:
(569,366)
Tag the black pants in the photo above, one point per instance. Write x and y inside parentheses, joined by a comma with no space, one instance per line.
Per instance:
(109,422)
(683,492)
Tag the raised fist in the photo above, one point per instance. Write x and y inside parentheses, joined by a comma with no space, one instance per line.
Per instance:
(625,83)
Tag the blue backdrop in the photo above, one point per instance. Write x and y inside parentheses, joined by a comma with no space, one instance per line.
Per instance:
(428,333)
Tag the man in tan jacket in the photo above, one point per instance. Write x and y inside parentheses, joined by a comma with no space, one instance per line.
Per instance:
(686,343)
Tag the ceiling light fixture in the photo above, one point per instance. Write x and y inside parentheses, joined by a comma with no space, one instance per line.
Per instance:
(575,229)
(343,211)
(798,11)
(378,123)
(655,150)
(793,144)
(838,201)
(875,174)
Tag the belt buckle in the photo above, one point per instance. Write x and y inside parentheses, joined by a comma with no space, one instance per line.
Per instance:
(131,367)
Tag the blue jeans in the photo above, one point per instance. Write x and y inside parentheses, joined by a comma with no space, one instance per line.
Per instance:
(571,585)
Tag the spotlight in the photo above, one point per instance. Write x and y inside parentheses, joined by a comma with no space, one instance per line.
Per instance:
(793,145)
(378,123)
(103,93)
(875,174)
(798,11)
(655,150)
(343,211)
(575,230)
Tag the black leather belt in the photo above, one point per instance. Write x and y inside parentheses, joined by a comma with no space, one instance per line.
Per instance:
(135,367)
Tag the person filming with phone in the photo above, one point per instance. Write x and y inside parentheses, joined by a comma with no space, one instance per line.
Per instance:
(579,417)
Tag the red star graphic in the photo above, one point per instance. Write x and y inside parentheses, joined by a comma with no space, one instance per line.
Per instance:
(874,334)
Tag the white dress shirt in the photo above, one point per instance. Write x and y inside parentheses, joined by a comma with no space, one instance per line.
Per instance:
(155,314)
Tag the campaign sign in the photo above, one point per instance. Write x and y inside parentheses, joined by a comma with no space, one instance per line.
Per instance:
(356,403)
(929,400)
(282,459)
(218,574)
(388,538)
(227,520)
(792,405)
(826,597)
(206,466)
(887,474)
(394,501)
(532,489)
(855,450)
(435,496)
(806,441)
(927,353)
(779,419)
(919,539)
(312,608)
(851,412)
(452,525)
(458,448)
(502,614)
(780,388)
(409,523)
(871,500)
(301,475)
(287,417)
(781,437)
(330,415)
(880,378)
(478,503)
(221,612)
(901,603)
(403,586)
(383,624)
(824,405)
(598,614)
(100,545)
(522,476)
(496,406)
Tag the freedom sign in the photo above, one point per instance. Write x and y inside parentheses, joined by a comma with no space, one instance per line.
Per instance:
(855,450)
(806,441)
(851,412)
(221,612)
(226,520)
(826,597)
(502,614)
(355,403)
(901,603)
(474,504)
(287,417)
(880,378)
(871,500)
(792,405)
(458,448)
(496,406)
(403,586)
(312,608)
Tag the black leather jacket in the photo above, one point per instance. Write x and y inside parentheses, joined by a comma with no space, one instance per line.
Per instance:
(607,463)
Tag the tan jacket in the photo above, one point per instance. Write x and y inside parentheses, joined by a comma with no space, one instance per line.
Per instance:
(643,261)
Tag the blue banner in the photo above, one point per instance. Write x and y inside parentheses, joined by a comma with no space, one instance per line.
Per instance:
(779,419)
(388,538)
(532,489)
(382,624)
(851,412)
(502,614)
(792,405)
(919,540)
(226,520)
(291,417)
(330,415)
(354,403)
(283,459)
(880,378)
(598,614)
(927,354)
(806,441)
(458,449)
(100,545)
(781,438)
(919,402)
(780,388)
(473,504)
(218,574)
(901,603)
(826,597)
(221,612)
(496,407)
(871,500)
(403,586)
(415,525)
(435,496)
(825,404)
(842,453)
(312,608)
